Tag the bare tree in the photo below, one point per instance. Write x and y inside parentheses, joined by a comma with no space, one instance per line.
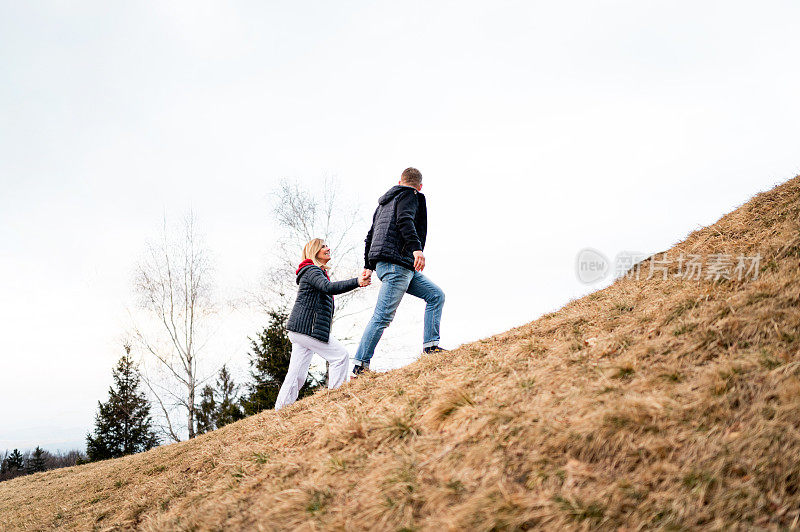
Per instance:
(173,283)
(301,215)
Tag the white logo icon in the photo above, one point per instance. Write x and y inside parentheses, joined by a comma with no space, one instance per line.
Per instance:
(591,265)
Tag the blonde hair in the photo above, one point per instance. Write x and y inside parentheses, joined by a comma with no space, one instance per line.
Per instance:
(310,252)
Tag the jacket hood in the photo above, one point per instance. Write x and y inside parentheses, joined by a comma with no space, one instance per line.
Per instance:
(307,262)
(394,192)
(301,269)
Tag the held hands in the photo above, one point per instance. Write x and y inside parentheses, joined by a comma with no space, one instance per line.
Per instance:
(365,279)
(419,261)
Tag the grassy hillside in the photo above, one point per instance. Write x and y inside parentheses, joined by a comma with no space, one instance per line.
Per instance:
(650,404)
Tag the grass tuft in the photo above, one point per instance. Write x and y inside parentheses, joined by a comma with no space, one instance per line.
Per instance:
(318,501)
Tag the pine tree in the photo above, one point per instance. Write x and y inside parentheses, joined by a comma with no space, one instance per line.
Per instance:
(228,409)
(210,414)
(14,461)
(206,411)
(36,461)
(269,361)
(123,423)
(11,465)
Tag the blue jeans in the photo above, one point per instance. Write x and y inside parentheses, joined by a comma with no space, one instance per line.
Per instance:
(396,281)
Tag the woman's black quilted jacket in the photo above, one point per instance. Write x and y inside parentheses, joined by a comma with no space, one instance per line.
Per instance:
(312,313)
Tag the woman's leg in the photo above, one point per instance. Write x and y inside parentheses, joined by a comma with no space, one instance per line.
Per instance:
(338,362)
(335,354)
(298,371)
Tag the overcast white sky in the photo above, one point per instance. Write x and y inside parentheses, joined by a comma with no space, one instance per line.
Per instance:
(540,128)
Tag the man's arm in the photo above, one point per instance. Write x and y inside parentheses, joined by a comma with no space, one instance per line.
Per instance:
(406,212)
(368,242)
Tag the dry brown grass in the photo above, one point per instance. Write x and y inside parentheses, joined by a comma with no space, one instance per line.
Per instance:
(647,405)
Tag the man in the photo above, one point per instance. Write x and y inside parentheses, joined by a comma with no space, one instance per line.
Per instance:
(393,250)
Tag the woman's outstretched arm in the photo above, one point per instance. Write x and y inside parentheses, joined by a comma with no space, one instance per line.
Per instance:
(321,283)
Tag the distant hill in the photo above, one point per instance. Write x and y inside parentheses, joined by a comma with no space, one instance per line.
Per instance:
(650,404)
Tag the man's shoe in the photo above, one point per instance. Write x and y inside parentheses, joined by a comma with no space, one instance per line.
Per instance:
(433,349)
(358,370)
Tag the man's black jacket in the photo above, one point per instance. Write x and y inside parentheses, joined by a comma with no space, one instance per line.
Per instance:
(399,228)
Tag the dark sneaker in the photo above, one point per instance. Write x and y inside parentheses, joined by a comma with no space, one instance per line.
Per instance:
(433,349)
(358,370)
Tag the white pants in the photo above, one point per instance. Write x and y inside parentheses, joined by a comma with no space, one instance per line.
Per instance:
(303,348)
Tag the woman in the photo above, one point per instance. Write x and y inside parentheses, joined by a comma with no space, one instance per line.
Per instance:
(309,323)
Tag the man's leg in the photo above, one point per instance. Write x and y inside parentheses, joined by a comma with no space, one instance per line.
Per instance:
(422,287)
(394,283)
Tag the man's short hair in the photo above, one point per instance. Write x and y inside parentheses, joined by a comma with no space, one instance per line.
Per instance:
(411,176)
